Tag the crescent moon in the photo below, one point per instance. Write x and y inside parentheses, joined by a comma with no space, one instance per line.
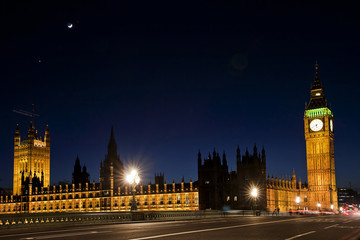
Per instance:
(70,25)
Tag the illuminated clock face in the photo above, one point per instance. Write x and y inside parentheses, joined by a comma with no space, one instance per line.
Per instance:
(331,125)
(316,125)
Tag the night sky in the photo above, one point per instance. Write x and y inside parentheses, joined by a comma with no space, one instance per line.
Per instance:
(176,77)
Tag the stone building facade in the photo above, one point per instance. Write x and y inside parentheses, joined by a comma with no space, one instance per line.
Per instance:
(215,189)
(107,195)
(218,187)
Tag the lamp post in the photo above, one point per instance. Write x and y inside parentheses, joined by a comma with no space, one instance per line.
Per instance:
(133,179)
(319,206)
(297,200)
(254,193)
(332,207)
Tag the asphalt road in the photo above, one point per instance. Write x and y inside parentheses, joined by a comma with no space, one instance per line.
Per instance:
(230,227)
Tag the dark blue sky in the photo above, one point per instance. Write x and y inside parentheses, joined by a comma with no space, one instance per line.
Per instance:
(177,77)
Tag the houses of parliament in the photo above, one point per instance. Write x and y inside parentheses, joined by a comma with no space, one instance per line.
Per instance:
(216,186)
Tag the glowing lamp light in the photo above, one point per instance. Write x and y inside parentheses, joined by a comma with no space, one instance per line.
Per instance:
(297,200)
(341,208)
(254,192)
(319,204)
(133,177)
(332,207)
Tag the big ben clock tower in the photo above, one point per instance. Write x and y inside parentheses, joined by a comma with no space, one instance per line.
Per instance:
(319,136)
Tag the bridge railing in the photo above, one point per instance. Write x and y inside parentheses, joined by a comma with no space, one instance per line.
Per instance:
(34,219)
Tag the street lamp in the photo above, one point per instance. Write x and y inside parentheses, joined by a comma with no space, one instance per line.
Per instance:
(319,206)
(133,179)
(332,207)
(297,200)
(254,193)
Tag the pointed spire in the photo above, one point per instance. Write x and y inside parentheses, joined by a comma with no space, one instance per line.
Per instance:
(317,83)
(77,161)
(317,98)
(224,159)
(17,135)
(47,136)
(31,131)
(112,147)
(199,159)
(238,156)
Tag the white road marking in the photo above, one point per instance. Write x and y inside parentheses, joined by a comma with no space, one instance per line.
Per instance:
(300,235)
(331,226)
(65,235)
(108,225)
(348,221)
(209,229)
(217,221)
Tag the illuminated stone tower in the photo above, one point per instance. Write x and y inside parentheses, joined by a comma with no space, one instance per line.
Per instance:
(319,136)
(31,161)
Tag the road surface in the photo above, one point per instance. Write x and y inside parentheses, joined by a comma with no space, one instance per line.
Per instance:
(229,227)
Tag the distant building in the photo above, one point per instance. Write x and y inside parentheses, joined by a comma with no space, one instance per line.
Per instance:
(347,196)
(78,176)
(35,195)
(218,187)
(31,161)
(112,168)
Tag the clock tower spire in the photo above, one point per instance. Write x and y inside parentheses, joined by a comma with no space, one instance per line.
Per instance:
(319,136)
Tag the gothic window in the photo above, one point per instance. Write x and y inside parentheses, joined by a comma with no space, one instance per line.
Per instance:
(235,198)
(187,199)
(178,199)
(228,198)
